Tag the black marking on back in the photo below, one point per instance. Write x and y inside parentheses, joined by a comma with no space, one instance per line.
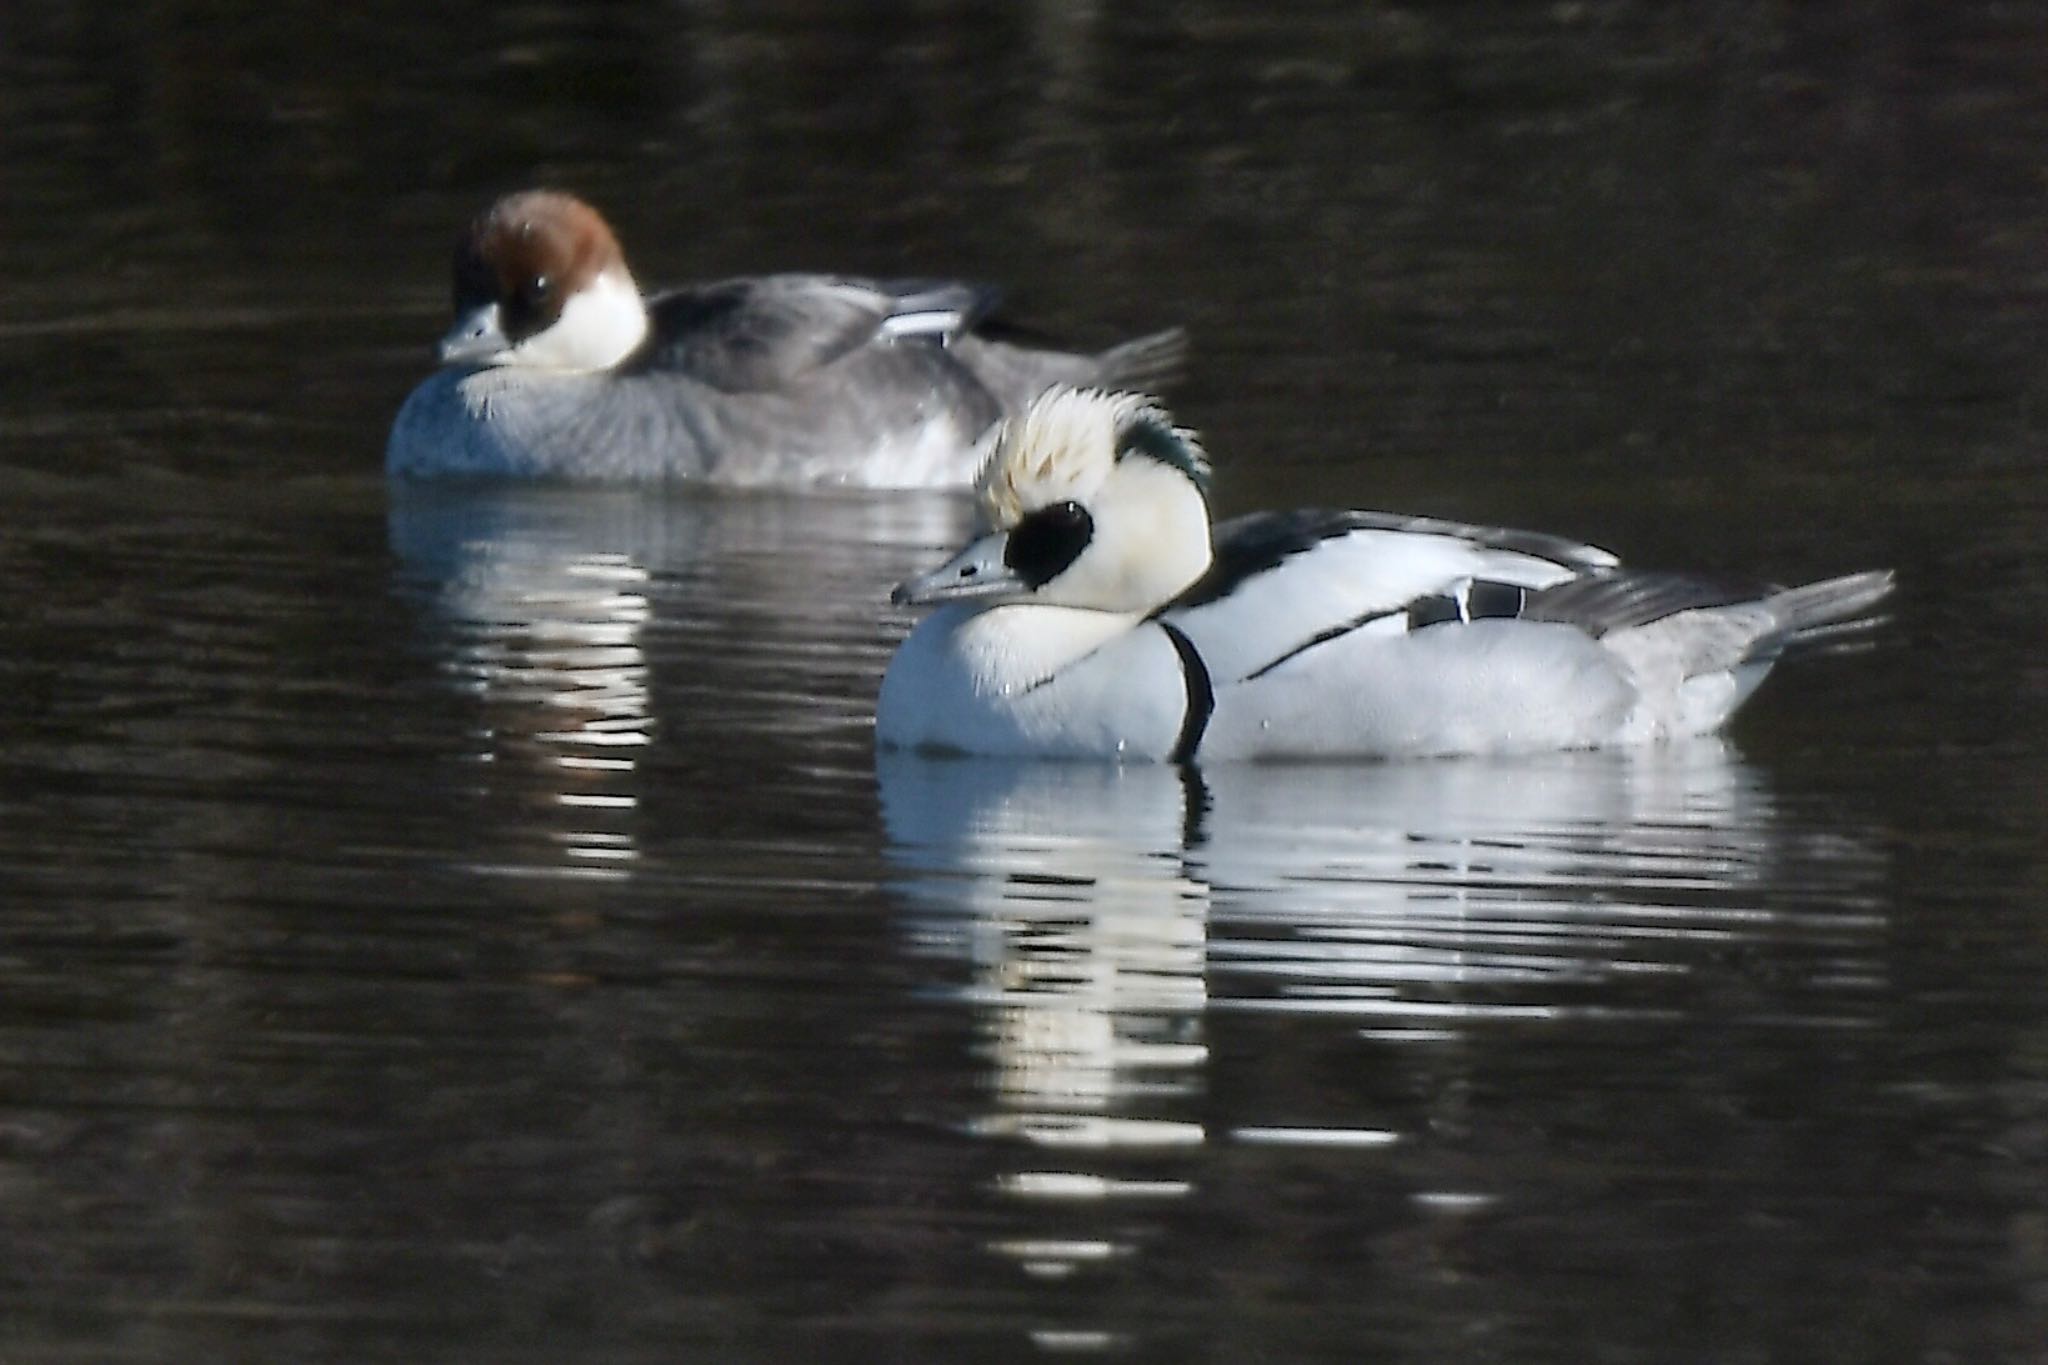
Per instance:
(1201,694)
(1485,599)
(1248,546)
(1476,601)
(1435,610)
(1479,600)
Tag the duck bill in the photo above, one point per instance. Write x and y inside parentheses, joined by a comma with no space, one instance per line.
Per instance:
(977,571)
(477,337)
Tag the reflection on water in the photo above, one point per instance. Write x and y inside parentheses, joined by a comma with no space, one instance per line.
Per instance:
(1104,924)
(1424,898)
(1060,892)
(1087,951)
(540,605)
(511,967)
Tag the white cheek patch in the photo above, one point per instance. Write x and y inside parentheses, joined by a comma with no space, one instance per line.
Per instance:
(1150,541)
(600,325)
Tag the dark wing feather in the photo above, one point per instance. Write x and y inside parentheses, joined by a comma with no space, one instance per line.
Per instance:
(1619,600)
(1250,545)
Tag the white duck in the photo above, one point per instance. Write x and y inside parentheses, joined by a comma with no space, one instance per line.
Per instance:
(558,368)
(1096,620)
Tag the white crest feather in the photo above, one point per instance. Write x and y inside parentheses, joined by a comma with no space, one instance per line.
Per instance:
(1067,443)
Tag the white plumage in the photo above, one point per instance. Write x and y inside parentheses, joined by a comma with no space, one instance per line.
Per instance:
(1098,617)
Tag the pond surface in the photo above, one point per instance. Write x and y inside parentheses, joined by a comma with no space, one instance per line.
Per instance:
(473,925)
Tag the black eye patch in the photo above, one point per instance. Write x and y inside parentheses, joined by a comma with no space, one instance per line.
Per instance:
(529,308)
(1043,544)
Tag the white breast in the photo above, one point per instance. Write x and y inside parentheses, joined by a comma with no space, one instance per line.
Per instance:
(1033,680)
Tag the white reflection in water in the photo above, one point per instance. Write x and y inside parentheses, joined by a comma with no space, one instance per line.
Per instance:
(540,605)
(1103,918)
(1083,942)
(1086,947)
(589,629)
(1419,896)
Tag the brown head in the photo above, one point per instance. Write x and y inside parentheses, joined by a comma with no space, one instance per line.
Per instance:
(540,280)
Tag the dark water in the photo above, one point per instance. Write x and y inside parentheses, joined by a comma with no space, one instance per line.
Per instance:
(475,927)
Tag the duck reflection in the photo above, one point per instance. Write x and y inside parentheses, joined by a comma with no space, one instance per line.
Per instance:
(1105,920)
(536,608)
(1062,892)
(1084,933)
(585,625)
(1415,897)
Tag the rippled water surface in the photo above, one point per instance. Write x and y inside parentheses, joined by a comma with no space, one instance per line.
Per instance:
(474,925)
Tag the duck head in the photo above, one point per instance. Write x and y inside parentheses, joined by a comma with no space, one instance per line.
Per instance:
(540,281)
(1094,500)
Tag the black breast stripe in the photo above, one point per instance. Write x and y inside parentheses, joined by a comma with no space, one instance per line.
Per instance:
(1201,694)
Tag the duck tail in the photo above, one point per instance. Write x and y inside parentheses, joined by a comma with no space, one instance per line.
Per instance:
(1147,363)
(1825,612)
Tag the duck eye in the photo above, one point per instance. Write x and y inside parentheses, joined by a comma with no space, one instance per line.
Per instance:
(1043,544)
(528,306)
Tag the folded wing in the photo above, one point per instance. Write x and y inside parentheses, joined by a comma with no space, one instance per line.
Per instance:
(1285,582)
(767,332)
